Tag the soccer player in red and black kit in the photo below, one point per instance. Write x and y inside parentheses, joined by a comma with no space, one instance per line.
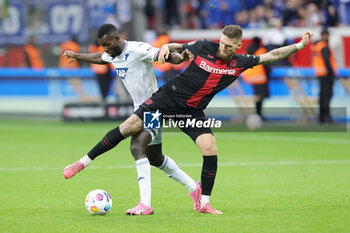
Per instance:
(215,66)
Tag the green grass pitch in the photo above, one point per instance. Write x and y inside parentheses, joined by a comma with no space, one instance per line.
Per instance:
(266,182)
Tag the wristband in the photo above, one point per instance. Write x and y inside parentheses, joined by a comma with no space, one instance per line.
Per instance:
(299,45)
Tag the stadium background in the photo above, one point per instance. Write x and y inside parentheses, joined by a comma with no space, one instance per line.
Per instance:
(267,181)
(45,91)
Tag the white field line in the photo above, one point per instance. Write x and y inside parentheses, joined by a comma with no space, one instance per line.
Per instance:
(237,136)
(297,139)
(225,164)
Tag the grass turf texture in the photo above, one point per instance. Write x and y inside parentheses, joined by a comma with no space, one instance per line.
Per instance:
(266,182)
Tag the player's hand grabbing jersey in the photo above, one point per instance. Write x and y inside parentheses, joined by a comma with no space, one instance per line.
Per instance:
(135,67)
(206,75)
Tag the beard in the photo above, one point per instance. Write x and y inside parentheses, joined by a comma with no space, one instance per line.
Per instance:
(224,57)
(116,51)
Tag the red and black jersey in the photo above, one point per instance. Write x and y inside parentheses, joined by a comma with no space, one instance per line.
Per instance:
(206,75)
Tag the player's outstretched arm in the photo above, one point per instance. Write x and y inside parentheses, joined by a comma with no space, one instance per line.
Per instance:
(166,49)
(89,57)
(283,52)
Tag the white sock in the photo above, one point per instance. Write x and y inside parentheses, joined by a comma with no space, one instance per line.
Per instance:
(85,160)
(170,168)
(143,168)
(204,200)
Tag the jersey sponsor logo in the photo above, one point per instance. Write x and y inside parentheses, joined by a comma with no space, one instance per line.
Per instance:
(151,120)
(121,72)
(214,70)
(126,56)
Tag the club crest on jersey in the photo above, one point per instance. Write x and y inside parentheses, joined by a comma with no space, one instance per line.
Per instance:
(233,63)
(121,72)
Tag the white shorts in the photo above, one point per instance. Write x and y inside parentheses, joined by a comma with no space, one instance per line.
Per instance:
(156,136)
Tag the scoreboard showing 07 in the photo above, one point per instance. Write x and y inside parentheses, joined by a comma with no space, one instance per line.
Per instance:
(59,20)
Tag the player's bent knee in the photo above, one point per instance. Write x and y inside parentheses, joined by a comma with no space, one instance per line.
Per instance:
(155,155)
(207,144)
(210,150)
(131,126)
(137,151)
(156,160)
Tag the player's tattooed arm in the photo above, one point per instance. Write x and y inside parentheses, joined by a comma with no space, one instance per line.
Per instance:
(277,54)
(166,49)
(175,47)
(283,52)
(89,57)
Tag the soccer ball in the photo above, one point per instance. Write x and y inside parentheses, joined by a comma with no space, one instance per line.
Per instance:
(253,122)
(98,201)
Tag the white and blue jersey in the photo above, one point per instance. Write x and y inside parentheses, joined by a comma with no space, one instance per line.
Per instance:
(135,67)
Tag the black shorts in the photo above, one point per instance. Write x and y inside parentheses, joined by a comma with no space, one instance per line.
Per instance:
(162,101)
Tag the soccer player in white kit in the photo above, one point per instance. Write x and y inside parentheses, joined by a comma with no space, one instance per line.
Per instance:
(133,62)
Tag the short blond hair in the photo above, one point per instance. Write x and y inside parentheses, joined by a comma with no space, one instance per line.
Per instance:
(233,32)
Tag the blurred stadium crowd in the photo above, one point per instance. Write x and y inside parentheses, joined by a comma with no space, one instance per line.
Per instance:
(254,14)
(143,19)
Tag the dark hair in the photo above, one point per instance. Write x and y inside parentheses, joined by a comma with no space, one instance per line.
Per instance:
(74,38)
(324,31)
(254,46)
(106,29)
(233,32)
(256,40)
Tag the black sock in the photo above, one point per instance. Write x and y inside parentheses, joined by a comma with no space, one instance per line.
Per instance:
(109,141)
(258,107)
(210,166)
